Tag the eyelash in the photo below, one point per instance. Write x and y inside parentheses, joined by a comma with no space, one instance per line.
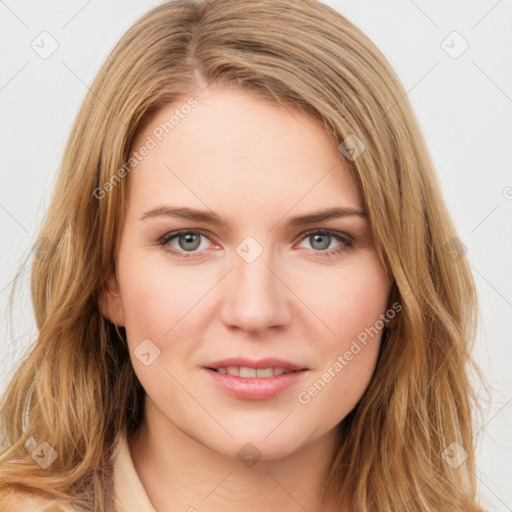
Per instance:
(347,241)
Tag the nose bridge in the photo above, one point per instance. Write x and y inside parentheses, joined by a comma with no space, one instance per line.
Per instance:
(257,299)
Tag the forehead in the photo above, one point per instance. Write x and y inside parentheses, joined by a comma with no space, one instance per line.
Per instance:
(235,149)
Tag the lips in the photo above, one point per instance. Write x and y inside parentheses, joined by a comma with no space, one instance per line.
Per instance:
(254,379)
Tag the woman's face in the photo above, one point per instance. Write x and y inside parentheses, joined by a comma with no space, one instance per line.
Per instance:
(251,281)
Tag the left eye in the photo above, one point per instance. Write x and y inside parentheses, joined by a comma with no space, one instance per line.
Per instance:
(323,239)
(189,241)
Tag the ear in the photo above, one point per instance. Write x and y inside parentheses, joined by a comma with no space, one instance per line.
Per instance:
(109,301)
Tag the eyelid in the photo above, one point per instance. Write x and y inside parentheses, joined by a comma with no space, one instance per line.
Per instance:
(171,235)
(332,232)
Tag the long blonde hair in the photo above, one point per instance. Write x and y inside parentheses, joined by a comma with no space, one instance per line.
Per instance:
(77,381)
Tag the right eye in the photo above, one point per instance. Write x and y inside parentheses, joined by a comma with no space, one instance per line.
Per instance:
(187,241)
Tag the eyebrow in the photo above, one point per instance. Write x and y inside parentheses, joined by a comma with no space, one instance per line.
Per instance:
(211,217)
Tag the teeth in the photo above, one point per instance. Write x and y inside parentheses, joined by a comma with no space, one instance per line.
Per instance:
(245,372)
(264,372)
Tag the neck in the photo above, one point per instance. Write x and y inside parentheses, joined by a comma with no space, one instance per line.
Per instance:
(179,473)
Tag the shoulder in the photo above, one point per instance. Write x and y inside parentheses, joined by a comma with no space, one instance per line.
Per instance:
(25,501)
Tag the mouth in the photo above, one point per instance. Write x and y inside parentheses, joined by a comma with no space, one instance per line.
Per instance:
(254,380)
(246,372)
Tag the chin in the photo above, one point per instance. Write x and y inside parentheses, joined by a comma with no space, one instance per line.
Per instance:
(261,439)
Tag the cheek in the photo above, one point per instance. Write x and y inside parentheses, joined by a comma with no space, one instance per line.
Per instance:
(158,297)
(352,307)
(158,303)
(351,299)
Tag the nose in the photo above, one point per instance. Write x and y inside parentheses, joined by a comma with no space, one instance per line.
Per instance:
(256,297)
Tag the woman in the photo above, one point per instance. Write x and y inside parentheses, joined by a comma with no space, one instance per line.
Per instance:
(197,349)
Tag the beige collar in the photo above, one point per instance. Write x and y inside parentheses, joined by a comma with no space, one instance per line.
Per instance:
(129,492)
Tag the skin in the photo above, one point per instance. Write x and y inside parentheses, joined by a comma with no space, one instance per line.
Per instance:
(256,164)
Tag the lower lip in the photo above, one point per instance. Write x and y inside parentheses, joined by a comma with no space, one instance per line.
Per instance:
(255,388)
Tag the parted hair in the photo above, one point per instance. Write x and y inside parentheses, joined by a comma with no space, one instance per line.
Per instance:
(75,388)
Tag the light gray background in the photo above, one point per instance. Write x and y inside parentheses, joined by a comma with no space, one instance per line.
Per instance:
(464,106)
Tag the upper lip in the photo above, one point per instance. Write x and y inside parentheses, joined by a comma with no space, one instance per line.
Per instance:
(268,362)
